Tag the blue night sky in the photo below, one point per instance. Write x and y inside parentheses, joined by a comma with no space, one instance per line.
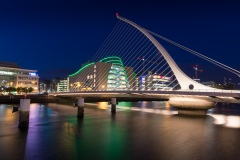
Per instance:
(56,37)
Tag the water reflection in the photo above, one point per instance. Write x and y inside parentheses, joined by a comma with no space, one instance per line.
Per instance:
(231,121)
(156,107)
(5,114)
(164,108)
(103,105)
(56,133)
(10,135)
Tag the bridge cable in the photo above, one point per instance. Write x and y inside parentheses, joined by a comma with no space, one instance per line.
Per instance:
(197,54)
(103,46)
(123,46)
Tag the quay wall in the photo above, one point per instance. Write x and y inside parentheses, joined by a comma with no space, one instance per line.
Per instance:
(69,100)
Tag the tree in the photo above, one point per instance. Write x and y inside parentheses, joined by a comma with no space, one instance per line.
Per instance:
(24,89)
(19,89)
(12,89)
(30,89)
(9,89)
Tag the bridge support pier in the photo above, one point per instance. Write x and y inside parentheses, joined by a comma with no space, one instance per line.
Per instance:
(113,105)
(80,106)
(24,113)
(191,106)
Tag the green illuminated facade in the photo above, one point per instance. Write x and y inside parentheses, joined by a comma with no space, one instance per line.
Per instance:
(117,77)
(81,69)
(107,74)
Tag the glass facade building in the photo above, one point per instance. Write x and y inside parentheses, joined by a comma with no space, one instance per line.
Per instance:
(107,74)
(62,85)
(117,77)
(154,82)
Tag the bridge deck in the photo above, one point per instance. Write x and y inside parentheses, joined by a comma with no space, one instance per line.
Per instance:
(231,96)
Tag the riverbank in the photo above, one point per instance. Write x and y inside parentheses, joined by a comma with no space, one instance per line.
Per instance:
(35,99)
(39,98)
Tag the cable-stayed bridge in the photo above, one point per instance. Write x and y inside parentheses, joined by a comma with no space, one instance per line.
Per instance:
(131,63)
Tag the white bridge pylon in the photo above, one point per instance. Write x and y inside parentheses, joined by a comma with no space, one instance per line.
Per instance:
(184,81)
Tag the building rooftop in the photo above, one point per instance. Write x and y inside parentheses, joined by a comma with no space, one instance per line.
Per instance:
(9,64)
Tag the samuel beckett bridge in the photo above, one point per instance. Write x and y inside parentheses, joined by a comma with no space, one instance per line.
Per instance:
(132,65)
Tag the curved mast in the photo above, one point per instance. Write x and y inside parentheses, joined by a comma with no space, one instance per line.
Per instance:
(182,78)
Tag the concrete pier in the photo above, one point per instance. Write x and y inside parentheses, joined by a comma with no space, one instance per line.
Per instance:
(113,105)
(24,113)
(80,106)
(191,106)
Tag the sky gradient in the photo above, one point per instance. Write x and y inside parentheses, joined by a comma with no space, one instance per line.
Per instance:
(56,37)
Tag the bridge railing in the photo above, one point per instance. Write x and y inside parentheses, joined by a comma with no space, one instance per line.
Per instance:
(211,90)
(155,91)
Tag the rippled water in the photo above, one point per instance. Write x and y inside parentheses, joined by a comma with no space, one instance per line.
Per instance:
(141,130)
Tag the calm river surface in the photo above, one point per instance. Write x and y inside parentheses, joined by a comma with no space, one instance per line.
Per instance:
(140,130)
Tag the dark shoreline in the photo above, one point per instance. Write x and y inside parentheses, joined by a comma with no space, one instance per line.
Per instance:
(34,99)
(65,100)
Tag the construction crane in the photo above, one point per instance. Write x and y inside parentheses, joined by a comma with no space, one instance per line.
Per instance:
(197,70)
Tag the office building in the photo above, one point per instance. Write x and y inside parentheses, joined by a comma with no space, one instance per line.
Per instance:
(154,82)
(63,85)
(11,75)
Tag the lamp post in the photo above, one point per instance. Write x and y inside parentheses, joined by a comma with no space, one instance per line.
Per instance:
(103,87)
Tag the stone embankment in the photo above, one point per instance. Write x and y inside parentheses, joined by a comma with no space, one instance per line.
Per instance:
(15,99)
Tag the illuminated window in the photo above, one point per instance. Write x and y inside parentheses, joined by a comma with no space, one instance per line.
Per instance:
(117,77)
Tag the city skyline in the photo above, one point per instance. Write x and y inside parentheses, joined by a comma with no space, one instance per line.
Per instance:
(57,37)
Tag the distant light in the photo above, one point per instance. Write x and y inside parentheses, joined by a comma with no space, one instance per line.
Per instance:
(6,73)
(32,74)
(227,121)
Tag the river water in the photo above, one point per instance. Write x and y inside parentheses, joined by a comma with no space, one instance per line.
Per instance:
(140,130)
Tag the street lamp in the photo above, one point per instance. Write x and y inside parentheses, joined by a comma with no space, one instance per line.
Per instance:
(103,87)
